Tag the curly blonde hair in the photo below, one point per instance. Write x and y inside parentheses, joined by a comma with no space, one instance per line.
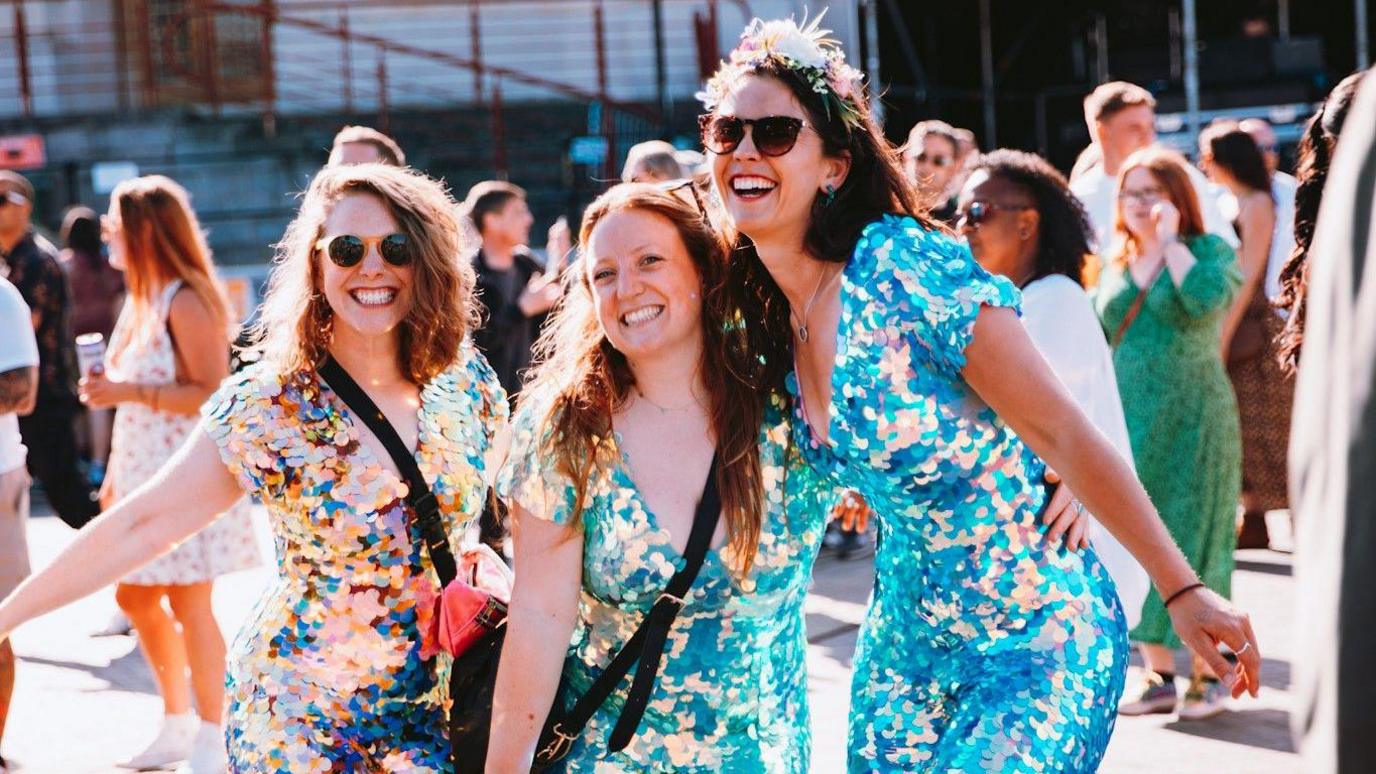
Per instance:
(294,328)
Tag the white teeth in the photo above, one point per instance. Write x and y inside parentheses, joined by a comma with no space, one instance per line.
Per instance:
(752,184)
(643,314)
(373,296)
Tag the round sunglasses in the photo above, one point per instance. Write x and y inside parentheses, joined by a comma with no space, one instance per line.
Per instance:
(773,135)
(347,250)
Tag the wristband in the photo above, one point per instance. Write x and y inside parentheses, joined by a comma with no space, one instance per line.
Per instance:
(1181,593)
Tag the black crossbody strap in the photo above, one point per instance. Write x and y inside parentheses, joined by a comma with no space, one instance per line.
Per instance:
(646,645)
(418,492)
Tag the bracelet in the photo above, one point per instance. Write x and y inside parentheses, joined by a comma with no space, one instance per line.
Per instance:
(1182,592)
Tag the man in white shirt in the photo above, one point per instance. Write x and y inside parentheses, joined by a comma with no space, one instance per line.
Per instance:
(18,391)
(1283,191)
(1122,120)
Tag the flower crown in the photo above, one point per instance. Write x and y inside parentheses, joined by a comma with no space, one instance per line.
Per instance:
(807,51)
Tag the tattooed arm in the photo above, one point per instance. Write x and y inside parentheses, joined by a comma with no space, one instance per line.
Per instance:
(18,390)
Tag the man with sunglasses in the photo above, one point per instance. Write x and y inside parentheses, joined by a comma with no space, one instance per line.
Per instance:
(30,262)
(931,158)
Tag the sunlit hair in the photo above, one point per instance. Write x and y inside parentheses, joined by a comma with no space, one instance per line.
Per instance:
(1168,170)
(583,379)
(163,242)
(295,325)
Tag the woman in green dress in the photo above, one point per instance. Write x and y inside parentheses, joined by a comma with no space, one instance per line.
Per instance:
(1165,288)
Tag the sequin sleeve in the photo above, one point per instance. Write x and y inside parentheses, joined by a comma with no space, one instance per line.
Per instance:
(530,478)
(930,285)
(240,418)
(493,407)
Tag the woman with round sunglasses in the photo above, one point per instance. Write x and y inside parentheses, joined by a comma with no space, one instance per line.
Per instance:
(168,352)
(984,646)
(1021,221)
(329,673)
(641,350)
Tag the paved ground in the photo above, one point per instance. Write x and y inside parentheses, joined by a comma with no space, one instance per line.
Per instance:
(82,703)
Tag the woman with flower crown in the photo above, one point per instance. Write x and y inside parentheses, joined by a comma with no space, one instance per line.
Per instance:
(985,646)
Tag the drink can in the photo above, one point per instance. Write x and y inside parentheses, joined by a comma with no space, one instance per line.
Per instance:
(90,352)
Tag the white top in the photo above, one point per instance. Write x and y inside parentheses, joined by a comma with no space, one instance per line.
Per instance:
(1097,192)
(18,349)
(1283,238)
(1060,319)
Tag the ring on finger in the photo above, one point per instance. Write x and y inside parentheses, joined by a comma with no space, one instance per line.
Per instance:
(1246,646)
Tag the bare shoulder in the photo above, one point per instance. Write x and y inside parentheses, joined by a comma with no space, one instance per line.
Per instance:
(189,310)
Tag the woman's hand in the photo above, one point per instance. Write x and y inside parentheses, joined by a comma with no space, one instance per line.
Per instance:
(98,391)
(1064,515)
(1203,619)
(852,511)
(1165,219)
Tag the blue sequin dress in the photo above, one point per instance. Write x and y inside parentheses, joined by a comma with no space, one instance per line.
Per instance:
(327,673)
(984,648)
(731,694)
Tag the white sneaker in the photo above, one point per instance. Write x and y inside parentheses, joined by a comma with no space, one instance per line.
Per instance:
(172,744)
(118,626)
(207,753)
(1152,696)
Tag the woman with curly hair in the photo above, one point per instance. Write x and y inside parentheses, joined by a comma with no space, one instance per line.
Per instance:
(329,673)
(1021,220)
(1317,145)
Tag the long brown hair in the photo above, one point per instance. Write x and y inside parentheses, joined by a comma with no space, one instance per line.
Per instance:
(163,243)
(1315,153)
(1168,168)
(584,380)
(876,185)
(296,324)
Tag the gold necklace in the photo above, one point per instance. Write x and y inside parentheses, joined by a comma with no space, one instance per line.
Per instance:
(666,410)
(807,310)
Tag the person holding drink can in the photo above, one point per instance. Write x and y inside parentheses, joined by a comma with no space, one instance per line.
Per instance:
(168,353)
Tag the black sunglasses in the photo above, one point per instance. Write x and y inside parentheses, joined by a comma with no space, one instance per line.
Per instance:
(978,212)
(773,135)
(347,250)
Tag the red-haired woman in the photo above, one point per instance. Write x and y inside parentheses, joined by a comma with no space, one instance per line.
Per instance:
(1163,295)
(168,353)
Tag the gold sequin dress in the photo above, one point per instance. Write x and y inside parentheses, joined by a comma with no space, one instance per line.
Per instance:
(327,673)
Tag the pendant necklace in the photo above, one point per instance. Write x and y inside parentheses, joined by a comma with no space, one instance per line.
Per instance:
(807,310)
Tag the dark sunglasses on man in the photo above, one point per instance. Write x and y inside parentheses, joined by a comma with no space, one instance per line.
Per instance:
(347,250)
(940,162)
(772,135)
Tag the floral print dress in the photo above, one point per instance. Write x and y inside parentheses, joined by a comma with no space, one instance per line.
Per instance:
(144,439)
(327,674)
(984,648)
(731,695)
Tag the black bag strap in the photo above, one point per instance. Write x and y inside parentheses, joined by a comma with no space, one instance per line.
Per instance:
(646,645)
(418,492)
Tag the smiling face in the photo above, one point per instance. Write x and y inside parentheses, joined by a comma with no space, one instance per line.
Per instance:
(372,297)
(645,288)
(770,198)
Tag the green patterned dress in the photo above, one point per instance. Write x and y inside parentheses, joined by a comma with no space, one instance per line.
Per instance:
(1180,410)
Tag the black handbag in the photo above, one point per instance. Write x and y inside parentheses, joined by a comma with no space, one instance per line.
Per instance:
(473,677)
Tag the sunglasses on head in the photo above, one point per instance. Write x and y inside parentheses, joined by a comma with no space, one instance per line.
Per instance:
(347,250)
(772,135)
(978,212)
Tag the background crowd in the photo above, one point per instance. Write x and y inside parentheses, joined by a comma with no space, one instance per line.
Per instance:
(1169,295)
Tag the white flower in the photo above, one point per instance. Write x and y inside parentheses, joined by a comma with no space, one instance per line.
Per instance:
(801,49)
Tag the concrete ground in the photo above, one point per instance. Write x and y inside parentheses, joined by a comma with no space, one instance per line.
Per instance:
(82,703)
